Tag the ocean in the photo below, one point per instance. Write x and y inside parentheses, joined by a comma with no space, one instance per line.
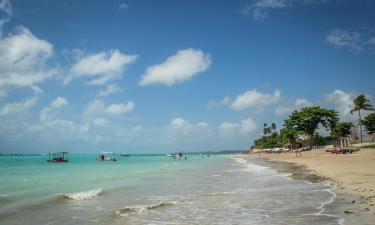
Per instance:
(155,189)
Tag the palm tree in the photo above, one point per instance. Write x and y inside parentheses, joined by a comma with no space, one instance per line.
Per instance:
(361,103)
(273,126)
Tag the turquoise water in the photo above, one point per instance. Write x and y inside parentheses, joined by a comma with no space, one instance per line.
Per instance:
(155,189)
(31,178)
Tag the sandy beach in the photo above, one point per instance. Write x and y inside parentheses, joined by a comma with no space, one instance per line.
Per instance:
(353,175)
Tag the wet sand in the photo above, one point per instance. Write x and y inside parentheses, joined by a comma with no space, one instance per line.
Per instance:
(352,174)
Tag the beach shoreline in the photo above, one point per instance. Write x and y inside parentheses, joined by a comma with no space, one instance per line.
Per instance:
(351,174)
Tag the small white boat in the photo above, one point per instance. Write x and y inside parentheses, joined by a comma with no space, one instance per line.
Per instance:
(106,156)
(124,154)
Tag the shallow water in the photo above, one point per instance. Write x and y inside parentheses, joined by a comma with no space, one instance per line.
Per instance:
(148,189)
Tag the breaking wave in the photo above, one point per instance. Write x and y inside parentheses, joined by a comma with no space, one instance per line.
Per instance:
(248,165)
(138,209)
(84,195)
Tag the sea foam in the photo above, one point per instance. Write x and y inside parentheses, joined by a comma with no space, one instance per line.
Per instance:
(84,195)
(249,166)
(138,209)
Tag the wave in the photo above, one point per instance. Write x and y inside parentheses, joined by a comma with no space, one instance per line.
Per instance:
(84,195)
(249,166)
(219,193)
(138,209)
(340,220)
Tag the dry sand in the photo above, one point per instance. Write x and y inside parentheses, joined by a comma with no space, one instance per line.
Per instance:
(353,174)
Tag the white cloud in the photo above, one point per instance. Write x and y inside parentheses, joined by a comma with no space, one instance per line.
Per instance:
(345,39)
(59,102)
(100,121)
(181,130)
(16,107)
(214,104)
(299,103)
(101,67)
(6,6)
(117,109)
(97,107)
(343,103)
(258,9)
(123,6)
(245,127)
(23,59)
(255,99)
(109,89)
(177,68)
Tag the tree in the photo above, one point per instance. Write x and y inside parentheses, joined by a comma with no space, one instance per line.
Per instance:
(308,119)
(289,134)
(342,129)
(361,103)
(265,129)
(369,122)
(273,126)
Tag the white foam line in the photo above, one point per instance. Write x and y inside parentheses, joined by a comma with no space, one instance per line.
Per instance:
(84,195)
(321,208)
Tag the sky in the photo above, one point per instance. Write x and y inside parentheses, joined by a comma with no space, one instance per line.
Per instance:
(165,76)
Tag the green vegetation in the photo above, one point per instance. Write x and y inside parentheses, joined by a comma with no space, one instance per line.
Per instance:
(369,122)
(270,138)
(369,146)
(302,125)
(307,120)
(361,103)
(342,129)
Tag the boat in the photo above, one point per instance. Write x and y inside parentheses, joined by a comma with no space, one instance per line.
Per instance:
(177,155)
(57,157)
(124,154)
(106,156)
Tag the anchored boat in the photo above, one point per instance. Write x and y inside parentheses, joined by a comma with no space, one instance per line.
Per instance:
(57,157)
(106,156)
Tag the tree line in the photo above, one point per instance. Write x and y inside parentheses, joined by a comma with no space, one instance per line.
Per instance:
(302,124)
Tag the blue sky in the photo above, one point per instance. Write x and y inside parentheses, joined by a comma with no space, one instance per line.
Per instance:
(163,76)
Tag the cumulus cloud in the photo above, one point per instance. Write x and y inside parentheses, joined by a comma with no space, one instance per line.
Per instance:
(16,107)
(178,68)
(101,67)
(117,109)
(182,130)
(255,99)
(23,59)
(343,103)
(109,89)
(229,129)
(299,103)
(57,103)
